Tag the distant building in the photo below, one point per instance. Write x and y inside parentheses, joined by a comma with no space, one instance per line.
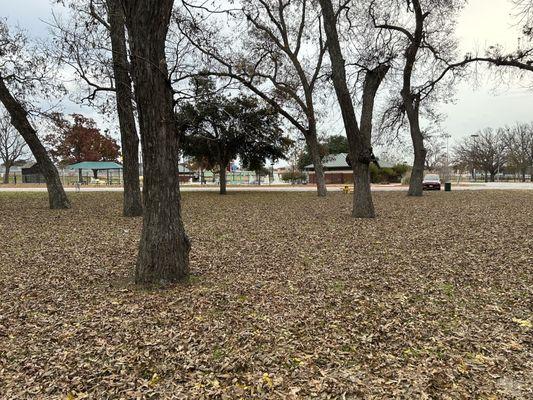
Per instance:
(32,174)
(185,174)
(337,170)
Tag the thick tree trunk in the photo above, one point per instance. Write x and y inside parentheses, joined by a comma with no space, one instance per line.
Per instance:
(362,199)
(417,173)
(223,180)
(57,197)
(314,149)
(164,246)
(359,152)
(132,204)
(6,175)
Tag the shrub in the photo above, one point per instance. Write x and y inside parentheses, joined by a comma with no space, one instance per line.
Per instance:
(293,176)
(388,175)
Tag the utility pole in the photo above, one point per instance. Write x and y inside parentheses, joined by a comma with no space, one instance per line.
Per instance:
(473,166)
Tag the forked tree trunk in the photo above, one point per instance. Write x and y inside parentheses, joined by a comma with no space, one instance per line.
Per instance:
(132,202)
(314,150)
(358,139)
(57,197)
(164,246)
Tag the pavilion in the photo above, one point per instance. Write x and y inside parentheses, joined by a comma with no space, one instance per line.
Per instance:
(95,166)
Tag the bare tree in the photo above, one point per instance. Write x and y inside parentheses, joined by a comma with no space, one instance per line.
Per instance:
(359,137)
(485,151)
(93,43)
(280,59)
(164,246)
(23,73)
(435,157)
(426,28)
(12,146)
(519,142)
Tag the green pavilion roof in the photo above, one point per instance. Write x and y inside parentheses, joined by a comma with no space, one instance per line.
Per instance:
(100,165)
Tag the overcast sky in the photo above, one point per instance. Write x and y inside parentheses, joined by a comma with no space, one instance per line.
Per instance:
(477,104)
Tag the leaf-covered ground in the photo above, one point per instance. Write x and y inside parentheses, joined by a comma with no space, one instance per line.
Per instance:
(289,298)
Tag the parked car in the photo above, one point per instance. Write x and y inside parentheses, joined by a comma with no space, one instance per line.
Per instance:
(431,182)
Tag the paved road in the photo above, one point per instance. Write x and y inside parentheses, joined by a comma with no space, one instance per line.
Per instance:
(286,188)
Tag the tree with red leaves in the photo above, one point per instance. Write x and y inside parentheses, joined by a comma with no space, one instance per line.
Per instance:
(80,140)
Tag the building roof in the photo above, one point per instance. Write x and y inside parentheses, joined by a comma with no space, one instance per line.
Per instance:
(337,161)
(332,161)
(100,165)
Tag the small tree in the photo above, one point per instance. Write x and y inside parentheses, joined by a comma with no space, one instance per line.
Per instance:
(25,73)
(485,151)
(80,140)
(218,129)
(519,142)
(12,146)
(425,32)
(279,59)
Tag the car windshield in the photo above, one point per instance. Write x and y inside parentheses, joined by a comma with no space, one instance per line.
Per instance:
(431,178)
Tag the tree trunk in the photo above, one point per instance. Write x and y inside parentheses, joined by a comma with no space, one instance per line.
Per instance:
(6,175)
(223,179)
(358,153)
(314,149)
(132,204)
(57,197)
(417,173)
(362,199)
(164,246)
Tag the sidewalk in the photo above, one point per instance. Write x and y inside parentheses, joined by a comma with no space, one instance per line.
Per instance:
(280,188)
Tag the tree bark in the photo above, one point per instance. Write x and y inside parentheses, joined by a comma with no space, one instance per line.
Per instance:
(132,203)
(57,197)
(420,152)
(411,103)
(223,179)
(314,149)
(6,175)
(360,149)
(164,246)
(417,173)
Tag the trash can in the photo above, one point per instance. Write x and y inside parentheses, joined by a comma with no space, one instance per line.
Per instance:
(447,186)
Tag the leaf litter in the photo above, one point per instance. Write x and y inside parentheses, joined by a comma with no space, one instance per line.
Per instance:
(288,298)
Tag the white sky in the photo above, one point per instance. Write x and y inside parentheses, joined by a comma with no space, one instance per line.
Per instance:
(477,104)
(484,23)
